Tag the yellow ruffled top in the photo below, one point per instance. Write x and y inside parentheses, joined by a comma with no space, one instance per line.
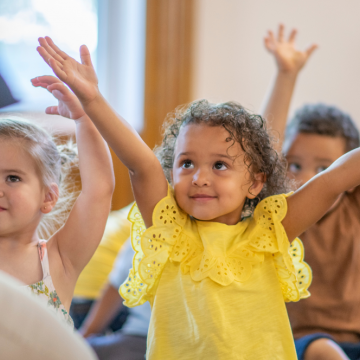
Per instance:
(217,291)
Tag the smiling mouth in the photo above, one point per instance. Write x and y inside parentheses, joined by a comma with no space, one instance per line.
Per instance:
(202,197)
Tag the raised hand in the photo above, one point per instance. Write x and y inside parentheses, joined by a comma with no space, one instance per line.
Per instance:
(287,57)
(81,78)
(69,106)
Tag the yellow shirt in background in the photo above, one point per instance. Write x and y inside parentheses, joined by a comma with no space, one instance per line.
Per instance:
(216,291)
(96,272)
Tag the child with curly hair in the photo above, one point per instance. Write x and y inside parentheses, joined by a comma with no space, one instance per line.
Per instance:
(216,278)
(327,324)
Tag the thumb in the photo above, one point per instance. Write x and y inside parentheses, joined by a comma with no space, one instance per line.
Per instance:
(311,49)
(85,55)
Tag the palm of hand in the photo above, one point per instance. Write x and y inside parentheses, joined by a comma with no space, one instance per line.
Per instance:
(288,58)
(81,78)
(69,109)
(69,106)
(64,111)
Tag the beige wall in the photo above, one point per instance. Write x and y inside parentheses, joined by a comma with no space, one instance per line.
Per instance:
(231,62)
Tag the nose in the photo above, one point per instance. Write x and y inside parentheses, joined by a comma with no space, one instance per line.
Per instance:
(1,193)
(201,178)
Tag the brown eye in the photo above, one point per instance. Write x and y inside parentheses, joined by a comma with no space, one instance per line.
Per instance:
(187,164)
(321,169)
(13,178)
(294,167)
(219,165)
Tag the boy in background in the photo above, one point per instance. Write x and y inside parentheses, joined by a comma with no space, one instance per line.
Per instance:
(327,324)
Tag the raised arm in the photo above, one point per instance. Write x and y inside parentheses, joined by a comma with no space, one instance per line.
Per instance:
(147,177)
(78,239)
(309,203)
(102,312)
(289,62)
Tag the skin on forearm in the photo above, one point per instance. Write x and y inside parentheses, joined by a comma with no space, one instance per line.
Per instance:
(147,177)
(146,173)
(277,103)
(308,204)
(123,139)
(102,312)
(95,162)
(289,62)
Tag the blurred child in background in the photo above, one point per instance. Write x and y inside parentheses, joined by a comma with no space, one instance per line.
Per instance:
(327,324)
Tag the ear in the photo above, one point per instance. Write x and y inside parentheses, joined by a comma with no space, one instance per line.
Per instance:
(50,199)
(257,185)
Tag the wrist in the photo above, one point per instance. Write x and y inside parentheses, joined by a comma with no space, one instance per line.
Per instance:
(95,100)
(84,118)
(288,74)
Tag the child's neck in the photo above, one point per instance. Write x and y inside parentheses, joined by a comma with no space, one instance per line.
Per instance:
(19,257)
(18,241)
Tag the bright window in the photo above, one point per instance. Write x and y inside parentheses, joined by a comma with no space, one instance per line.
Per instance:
(21,23)
(119,58)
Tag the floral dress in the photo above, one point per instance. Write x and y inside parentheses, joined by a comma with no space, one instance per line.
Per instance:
(45,288)
(217,291)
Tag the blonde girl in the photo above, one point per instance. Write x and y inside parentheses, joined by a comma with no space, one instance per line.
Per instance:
(31,174)
(217,279)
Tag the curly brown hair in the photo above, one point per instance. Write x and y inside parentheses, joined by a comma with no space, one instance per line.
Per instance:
(322,119)
(249,130)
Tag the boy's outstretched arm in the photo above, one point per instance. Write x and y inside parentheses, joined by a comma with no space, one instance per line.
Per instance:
(309,203)
(289,62)
(78,239)
(147,177)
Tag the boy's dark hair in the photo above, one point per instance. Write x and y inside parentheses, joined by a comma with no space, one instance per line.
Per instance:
(326,120)
(247,129)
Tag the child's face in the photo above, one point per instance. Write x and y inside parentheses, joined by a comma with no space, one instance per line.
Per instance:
(209,184)
(310,154)
(21,193)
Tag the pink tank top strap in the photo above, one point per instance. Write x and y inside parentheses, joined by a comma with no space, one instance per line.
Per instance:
(43,254)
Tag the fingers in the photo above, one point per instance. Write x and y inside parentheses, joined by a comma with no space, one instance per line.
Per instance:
(59,88)
(269,41)
(85,55)
(58,71)
(45,80)
(292,36)
(47,57)
(281,33)
(52,110)
(43,42)
(59,52)
(271,36)
(311,49)
(36,83)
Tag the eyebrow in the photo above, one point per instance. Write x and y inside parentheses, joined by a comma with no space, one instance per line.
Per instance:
(17,171)
(215,155)
(294,157)
(324,159)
